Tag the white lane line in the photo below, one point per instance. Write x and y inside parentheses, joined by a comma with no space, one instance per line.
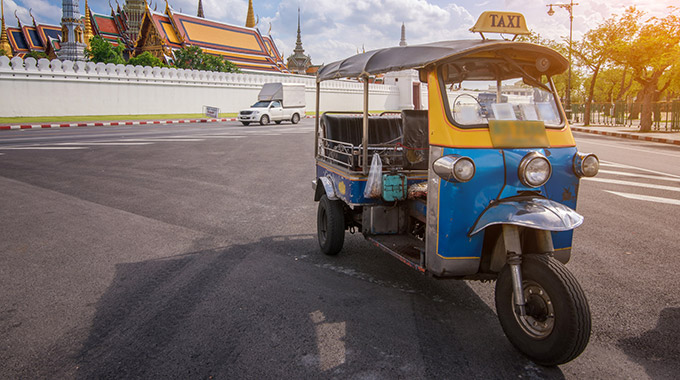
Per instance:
(43,147)
(637,184)
(106,143)
(635,149)
(647,198)
(222,137)
(626,174)
(616,165)
(151,140)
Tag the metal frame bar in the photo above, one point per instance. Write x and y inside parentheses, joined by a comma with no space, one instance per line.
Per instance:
(316,122)
(364,138)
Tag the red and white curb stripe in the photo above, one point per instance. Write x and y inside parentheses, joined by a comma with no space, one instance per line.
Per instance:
(114,123)
(627,136)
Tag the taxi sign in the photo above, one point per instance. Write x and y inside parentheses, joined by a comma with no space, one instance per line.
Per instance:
(501,22)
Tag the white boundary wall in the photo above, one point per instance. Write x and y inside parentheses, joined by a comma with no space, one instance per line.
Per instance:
(65,88)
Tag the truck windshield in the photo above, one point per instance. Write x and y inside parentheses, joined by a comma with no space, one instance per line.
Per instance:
(474,103)
(261,105)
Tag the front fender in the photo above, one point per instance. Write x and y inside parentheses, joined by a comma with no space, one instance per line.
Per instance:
(325,188)
(533,212)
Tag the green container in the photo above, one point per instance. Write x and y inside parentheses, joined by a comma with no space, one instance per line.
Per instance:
(394,187)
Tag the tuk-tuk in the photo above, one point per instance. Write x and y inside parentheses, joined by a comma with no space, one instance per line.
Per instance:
(466,189)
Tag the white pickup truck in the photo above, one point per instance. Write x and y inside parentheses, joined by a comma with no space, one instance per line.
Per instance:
(276,102)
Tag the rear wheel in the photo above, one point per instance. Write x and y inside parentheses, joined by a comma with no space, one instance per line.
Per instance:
(246,123)
(264,120)
(330,223)
(556,327)
(295,119)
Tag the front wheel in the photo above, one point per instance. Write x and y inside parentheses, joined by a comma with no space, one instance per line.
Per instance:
(330,223)
(264,120)
(295,119)
(556,327)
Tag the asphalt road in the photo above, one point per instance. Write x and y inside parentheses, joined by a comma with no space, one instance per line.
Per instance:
(190,252)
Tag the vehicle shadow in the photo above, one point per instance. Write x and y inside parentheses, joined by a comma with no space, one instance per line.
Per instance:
(657,350)
(278,308)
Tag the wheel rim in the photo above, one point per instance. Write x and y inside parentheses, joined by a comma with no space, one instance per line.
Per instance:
(540,313)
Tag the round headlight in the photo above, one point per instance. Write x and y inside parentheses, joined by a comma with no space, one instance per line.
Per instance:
(534,170)
(454,168)
(586,164)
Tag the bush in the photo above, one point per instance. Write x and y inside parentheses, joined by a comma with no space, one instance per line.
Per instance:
(192,57)
(146,59)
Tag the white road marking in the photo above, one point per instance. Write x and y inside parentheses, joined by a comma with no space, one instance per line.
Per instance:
(635,149)
(637,184)
(330,341)
(626,174)
(222,137)
(164,140)
(106,143)
(616,165)
(647,198)
(43,147)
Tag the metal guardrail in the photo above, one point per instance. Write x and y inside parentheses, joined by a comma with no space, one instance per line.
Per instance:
(665,115)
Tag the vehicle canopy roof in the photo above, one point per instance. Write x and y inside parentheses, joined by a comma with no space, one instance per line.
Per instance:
(528,58)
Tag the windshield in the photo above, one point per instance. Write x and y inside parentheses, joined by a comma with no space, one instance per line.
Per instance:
(261,105)
(473,103)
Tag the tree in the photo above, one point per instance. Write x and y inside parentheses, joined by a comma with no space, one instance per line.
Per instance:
(2,52)
(101,50)
(146,59)
(650,48)
(192,57)
(593,52)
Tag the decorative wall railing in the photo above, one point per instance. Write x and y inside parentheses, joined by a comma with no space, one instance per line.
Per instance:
(665,115)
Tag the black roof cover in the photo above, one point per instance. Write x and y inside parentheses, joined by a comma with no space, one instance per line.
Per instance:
(417,56)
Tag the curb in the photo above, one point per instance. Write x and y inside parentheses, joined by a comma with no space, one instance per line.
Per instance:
(111,123)
(115,123)
(627,135)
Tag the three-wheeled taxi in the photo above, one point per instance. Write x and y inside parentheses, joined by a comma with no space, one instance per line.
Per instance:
(476,187)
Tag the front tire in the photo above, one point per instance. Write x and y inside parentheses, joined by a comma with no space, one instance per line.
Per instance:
(295,119)
(330,223)
(556,328)
(264,120)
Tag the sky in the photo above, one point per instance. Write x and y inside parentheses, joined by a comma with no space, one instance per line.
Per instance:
(335,29)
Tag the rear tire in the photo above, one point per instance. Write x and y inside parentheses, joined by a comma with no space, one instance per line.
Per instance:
(330,223)
(264,120)
(295,118)
(557,326)
(246,123)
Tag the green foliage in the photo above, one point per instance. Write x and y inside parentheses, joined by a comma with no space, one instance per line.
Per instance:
(102,51)
(146,59)
(35,54)
(192,57)
(2,52)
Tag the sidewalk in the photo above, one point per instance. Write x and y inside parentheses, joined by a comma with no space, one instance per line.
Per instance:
(630,133)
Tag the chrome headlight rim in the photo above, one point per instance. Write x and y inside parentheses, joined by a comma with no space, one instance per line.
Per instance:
(579,164)
(445,167)
(524,163)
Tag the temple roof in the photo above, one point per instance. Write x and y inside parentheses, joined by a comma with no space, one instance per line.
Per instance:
(245,47)
(106,28)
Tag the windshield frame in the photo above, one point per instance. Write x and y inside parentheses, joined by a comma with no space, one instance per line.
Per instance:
(449,114)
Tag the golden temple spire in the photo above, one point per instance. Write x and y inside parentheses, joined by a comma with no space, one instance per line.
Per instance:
(87,33)
(250,18)
(167,8)
(4,42)
(200,9)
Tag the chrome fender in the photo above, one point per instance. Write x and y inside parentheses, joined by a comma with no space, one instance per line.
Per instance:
(532,212)
(325,188)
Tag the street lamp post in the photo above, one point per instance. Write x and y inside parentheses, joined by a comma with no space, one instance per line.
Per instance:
(569,7)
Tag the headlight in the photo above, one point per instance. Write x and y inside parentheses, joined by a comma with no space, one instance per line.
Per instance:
(534,170)
(586,164)
(454,168)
